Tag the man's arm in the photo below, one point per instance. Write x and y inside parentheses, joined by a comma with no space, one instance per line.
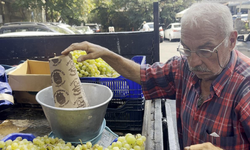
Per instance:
(127,68)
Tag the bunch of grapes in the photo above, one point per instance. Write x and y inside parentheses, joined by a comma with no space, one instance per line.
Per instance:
(128,142)
(45,143)
(92,68)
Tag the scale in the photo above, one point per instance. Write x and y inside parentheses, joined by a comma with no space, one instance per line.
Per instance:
(104,138)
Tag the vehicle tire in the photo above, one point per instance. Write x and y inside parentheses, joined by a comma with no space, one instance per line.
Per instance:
(161,40)
(170,38)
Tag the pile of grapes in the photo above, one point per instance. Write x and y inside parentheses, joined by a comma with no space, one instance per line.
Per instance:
(127,142)
(92,68)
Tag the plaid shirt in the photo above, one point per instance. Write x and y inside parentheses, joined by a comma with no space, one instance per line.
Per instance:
(226,111)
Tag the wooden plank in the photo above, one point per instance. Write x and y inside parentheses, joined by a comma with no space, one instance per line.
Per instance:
(158,134)
(146,124)
(172,137)
(152,125)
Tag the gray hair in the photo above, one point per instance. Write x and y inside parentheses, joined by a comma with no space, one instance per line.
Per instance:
(206,13)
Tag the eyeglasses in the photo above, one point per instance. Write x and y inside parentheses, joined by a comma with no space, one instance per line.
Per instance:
(200,52)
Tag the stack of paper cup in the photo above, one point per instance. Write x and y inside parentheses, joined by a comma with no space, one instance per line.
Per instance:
(66,83)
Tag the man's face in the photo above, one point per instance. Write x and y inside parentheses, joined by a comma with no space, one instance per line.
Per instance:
(205,38)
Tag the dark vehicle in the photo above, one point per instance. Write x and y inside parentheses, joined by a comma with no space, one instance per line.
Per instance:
(94,26)
(243,44)
(25,26)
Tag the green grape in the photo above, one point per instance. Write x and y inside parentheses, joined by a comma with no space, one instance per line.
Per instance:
(2,144)
(52,141)
(47,141)
(74,60)
(69,144)
(104,69)
(79,64)
(19,138)
(22,147)
(44,147)
(119,144)
(25,141)
(36,141)
(143,138)
(77,67)
(89,144)
(137,136)
(9,147)
(83,67)
(100,148)
(14,145)
(66,148)
(127,135)
(91,61)
(131,139)
(142,147)
(79,147)
(121,138)
(127,146)
(80,75)
(56,148)
(115,148)
(82,72)
(114,144)
(110,147)
(124,142)
(29,145)
(95,146)
(84,147)
(8,142)
(139,141)
(137,147)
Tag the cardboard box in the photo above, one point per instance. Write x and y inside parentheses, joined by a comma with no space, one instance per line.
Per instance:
(25,97)
(29,77)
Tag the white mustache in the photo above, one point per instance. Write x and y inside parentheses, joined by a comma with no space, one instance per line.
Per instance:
(199,68)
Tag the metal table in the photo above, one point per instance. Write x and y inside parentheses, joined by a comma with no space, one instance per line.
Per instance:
(158,126)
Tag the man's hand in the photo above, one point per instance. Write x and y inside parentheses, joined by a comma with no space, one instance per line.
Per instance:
(203,146)
(93,51)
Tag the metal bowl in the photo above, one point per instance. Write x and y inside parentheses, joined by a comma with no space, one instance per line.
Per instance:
(73,124)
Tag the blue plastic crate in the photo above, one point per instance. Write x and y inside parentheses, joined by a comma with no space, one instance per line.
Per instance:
(125,115)
(13,136)
(122,88)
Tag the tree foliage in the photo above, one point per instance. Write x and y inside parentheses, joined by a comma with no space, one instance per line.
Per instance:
(124,15)
(72,12)
(170,9)
(128,15)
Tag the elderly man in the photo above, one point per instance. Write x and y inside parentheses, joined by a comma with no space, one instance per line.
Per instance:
(210,81)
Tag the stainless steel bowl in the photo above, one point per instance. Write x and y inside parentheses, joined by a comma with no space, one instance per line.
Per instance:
(72,124)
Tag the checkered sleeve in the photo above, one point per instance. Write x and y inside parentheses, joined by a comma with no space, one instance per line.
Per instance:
(243,112)
(157,80)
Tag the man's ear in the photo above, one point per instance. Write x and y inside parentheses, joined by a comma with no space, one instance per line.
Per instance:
(233,39)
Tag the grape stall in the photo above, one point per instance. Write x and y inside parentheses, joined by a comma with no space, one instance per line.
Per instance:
(131,122)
